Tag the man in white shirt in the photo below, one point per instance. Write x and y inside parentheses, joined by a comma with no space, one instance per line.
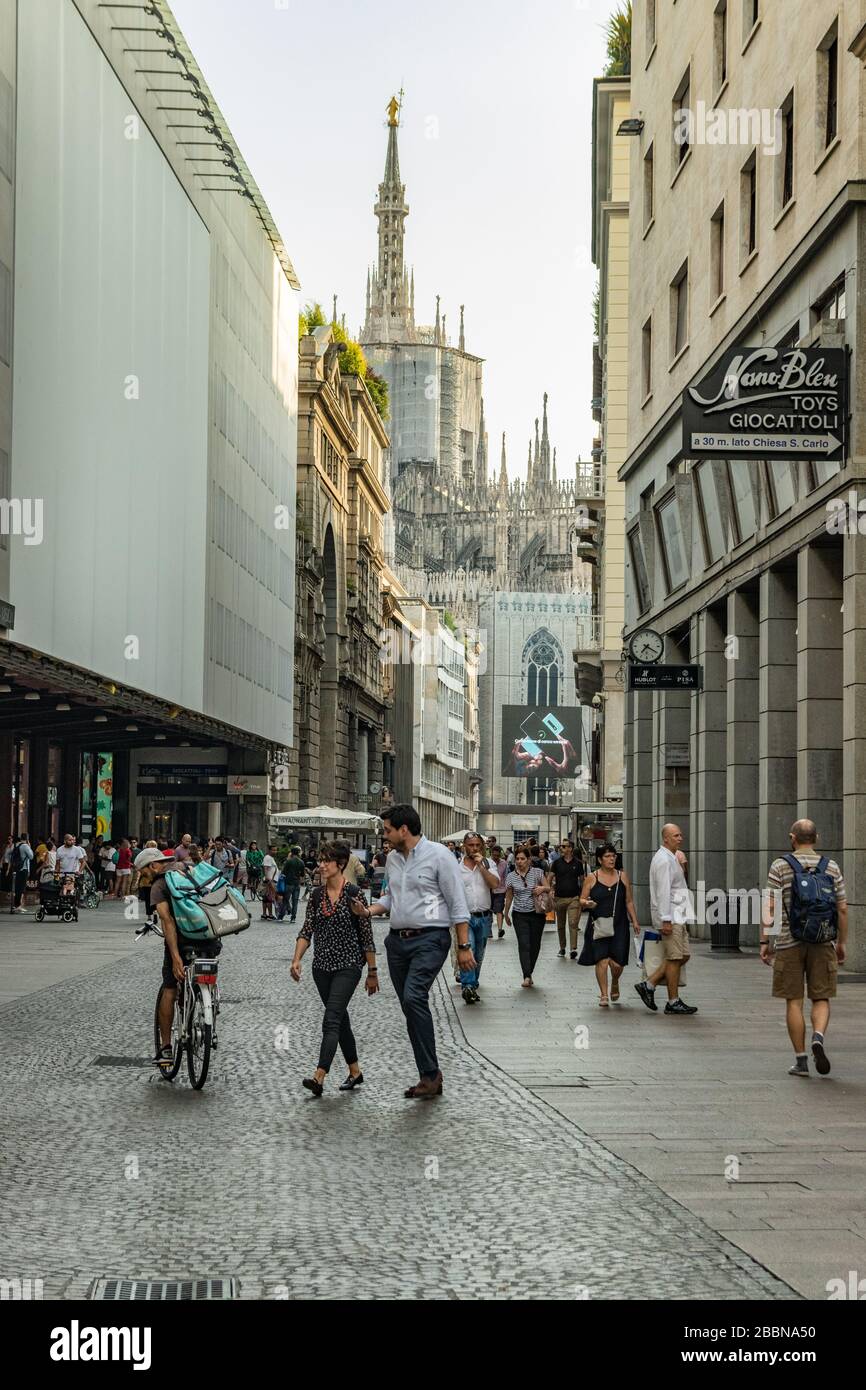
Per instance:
(70,856)
(480,881)
(671,911)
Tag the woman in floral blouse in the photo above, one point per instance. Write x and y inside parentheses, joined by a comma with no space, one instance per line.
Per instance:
(338,925)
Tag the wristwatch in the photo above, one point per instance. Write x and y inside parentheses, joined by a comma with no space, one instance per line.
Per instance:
(464,946)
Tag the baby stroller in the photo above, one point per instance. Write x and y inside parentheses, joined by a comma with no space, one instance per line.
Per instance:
(58,897)
(88,895)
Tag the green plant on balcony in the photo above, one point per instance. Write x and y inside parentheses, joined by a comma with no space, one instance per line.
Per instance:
(618,35)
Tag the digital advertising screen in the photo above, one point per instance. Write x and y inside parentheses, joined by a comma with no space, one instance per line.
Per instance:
(540,742)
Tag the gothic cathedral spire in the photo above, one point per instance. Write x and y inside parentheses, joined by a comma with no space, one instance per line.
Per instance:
(390,317)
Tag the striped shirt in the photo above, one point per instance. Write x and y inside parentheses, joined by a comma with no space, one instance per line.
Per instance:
(781,877)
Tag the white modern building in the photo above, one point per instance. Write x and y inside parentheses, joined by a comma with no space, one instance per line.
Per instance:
(155,411)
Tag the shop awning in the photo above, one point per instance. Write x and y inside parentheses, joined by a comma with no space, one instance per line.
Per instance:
(326,818)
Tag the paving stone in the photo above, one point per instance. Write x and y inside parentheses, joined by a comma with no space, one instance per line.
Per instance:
(109,1171)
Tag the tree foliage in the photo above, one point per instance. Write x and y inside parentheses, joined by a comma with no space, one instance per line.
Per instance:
(351,355)
(618,35)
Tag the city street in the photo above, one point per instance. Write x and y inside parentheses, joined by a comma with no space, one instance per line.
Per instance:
(546,1171)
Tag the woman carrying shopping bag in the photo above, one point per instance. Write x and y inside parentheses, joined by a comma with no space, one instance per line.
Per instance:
(607,897)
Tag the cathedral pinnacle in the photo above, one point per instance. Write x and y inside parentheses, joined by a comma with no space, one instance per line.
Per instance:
(462,344)
(394,111)
(390,317)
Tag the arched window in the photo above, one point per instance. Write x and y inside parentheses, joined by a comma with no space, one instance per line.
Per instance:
(542,667)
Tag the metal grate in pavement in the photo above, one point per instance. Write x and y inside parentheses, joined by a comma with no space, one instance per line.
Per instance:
(122,1062)
(161,1290)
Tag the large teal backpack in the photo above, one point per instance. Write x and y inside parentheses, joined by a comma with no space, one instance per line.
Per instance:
(205,905)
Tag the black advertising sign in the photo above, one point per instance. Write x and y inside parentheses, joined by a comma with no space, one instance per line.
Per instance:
(664,677)
(769,403)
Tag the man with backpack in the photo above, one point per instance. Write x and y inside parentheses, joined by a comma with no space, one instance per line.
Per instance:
(805,941)
(22,858)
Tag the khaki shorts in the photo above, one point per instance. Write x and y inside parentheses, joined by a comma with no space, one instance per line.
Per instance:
(817,965)
(676,944)
(654,958)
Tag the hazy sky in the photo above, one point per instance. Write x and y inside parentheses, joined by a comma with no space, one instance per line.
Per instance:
(494,152)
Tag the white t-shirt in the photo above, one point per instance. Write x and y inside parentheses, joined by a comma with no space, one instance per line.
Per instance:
(69,858)
(49,863)
(269,864)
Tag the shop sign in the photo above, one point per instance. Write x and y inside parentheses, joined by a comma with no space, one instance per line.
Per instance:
(768,402)
(243,784)
(665,677)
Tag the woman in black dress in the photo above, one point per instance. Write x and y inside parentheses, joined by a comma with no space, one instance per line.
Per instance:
(607,894)
(338,925)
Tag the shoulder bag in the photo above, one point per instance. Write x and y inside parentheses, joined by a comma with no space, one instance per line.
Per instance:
(603,927)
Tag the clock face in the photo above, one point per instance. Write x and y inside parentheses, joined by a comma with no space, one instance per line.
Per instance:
(646,646)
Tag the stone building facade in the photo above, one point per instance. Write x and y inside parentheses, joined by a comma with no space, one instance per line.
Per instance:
(337,756)
(742,243)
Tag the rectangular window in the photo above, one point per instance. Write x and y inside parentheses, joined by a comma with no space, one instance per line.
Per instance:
(638,565)
(679,298)
(648,187)
(715,540)
(831,305)
(673,548)
(751,15)
(647,357)
(785,158)
(782,478)
(681,119)
(827,90)
(740,472)
(748,208)
(717,253)
(650,26)
(720,46)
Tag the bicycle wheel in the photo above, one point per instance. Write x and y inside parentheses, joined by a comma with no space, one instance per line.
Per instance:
(168,1073)
(198,1044)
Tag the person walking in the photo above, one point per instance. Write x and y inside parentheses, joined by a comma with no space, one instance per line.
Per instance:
(255,860)
(108,857)
(479,882)
(48,862)
(497,904)
(670,909)
(566,875)
(269,884)
(425,899)
(22,858)
(338,925)
(607,896)
(291,877)
(522,886)
(123,871)
(807,945)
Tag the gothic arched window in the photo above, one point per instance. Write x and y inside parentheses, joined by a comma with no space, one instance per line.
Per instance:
(543,666)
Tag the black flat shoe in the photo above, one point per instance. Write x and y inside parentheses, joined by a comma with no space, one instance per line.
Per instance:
(315,1086)
(351,1082)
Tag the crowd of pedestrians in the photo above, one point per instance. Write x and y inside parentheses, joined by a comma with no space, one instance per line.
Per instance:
(455,898)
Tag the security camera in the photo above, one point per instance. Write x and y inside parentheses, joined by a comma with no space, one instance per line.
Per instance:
(596,700)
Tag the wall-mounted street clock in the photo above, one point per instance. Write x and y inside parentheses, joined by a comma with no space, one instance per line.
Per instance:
(646,646)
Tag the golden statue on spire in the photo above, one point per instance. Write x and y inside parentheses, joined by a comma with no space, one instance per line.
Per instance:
(393,111)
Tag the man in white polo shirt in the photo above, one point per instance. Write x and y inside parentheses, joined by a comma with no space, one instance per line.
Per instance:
(480,881)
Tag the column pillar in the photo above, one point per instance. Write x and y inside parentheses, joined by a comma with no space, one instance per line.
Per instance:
(742,866)
(709,721)
(638,830)
(819,690)
(37,792)
(7,764)
(854,748)
(777,712)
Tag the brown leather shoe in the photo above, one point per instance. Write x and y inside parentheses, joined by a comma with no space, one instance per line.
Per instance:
(428,1086)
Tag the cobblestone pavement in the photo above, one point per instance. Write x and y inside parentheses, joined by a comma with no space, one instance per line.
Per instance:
(486,1193)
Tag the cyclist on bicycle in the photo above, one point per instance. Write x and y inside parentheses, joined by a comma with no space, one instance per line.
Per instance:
(177,946)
